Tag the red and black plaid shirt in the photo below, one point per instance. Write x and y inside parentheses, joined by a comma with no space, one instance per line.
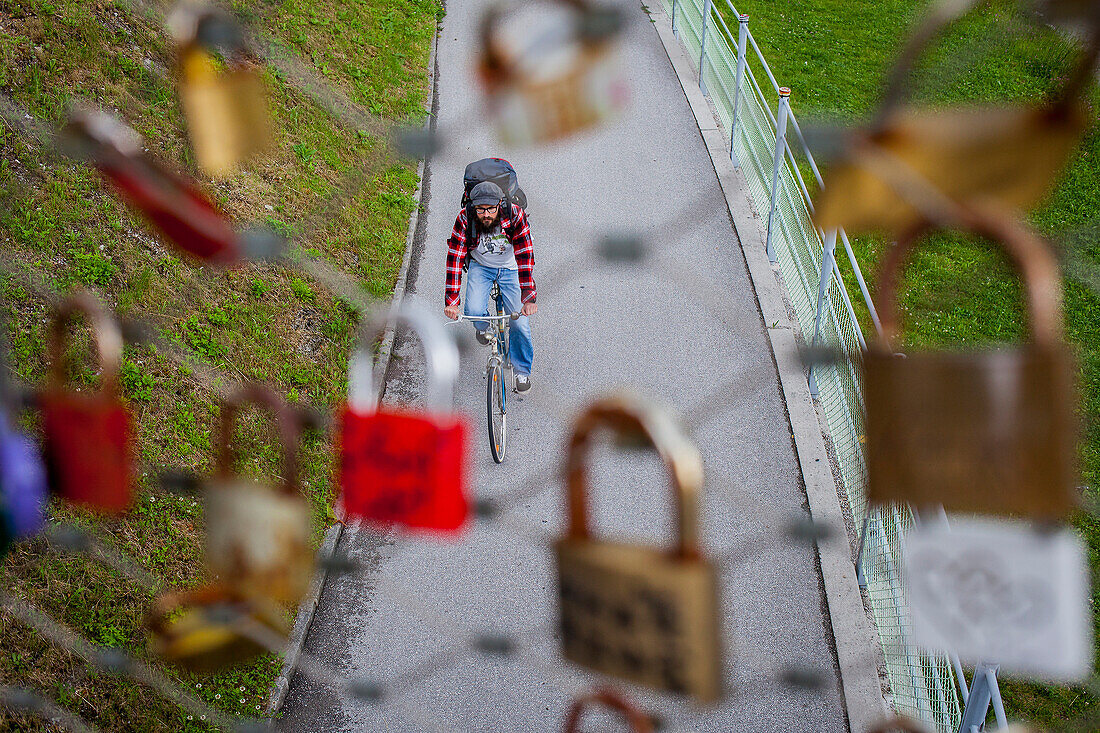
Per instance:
(519,234)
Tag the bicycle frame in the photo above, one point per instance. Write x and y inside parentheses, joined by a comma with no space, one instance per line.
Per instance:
(499,323)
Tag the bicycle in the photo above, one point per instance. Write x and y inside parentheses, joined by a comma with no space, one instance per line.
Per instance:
(496,397)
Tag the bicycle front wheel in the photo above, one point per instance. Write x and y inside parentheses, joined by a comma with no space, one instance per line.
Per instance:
(495,403)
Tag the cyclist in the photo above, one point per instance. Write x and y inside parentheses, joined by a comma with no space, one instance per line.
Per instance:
(504,254)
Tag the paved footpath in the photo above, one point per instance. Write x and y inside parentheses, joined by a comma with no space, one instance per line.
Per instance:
(684,328)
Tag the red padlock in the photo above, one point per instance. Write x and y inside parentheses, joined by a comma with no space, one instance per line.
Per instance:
(400,467)
(88,436)
(174,205)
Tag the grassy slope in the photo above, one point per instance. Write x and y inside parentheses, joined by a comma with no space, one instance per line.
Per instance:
(834,54)
(267,323)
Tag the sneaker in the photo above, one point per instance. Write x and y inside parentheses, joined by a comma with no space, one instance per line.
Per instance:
(523,382)
(484,337)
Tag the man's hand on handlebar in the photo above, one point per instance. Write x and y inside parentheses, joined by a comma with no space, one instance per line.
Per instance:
(452,312)
(529,309)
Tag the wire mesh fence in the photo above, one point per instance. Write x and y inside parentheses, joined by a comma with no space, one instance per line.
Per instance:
(920,685)
(798,681)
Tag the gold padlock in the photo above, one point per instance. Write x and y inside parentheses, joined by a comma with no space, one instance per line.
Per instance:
(989,431)
(257,536)
(640,613)
(210,628)
(1012,154)
(221,89)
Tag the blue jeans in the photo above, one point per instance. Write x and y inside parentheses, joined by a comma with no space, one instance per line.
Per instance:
(479,280)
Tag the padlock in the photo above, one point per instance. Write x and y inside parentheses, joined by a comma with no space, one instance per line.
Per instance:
(1012,154)
(989,431)
(638,722)
(210,628)
(23,483)
(257,536)
(88,437)
(640,613)
(554,74)
(1012,591)
(910,159)
(398,466)
(221,89)
(173,204)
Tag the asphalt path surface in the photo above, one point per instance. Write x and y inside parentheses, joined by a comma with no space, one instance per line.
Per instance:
(681,328)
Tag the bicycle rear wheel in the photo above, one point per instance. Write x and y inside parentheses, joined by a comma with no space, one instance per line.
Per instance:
(496,404)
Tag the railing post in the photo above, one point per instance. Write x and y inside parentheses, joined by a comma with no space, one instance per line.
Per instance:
(828,252)
(960,675)
(703,46)
(742,45)
(982,688)
(861,577)
(674,31)
(780,145)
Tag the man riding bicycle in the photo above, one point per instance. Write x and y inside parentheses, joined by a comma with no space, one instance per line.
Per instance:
(501,252)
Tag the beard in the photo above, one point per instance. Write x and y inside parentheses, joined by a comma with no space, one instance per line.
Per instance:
(486,228)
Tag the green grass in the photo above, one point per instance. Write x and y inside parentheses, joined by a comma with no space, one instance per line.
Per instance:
(62,223)
(834,55)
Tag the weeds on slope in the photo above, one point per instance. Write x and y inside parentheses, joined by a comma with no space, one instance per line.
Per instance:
(59,223)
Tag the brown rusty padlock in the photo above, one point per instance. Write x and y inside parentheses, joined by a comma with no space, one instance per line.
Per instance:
(257,536)
(87,436)
(206,629)
(637,721)
(640,613)
(990,431)
(221,89)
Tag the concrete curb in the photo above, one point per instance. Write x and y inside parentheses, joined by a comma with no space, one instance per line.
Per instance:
(308,606)
(853,633)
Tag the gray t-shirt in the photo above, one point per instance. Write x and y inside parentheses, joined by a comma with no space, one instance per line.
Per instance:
(494,249)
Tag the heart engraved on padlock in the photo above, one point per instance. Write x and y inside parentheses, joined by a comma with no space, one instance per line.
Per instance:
(565,79)
(206,629)
(638,722)
(87,436)
(398,466)
(257,536)
(990,432)
(221,89)
(640,613)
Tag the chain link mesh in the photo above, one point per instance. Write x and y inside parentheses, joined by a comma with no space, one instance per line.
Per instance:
(920,685)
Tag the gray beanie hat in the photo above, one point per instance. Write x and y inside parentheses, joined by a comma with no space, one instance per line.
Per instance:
(486,193)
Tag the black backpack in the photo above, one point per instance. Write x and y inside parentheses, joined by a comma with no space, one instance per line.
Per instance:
(500,172)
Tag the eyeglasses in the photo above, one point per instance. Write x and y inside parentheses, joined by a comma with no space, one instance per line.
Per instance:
(485,209)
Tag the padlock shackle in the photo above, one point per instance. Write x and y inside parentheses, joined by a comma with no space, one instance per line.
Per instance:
(638,722)
(629,415)
(440,354)
(286,424)
(906,725)
(200,25)
(108,338)
(1029,254)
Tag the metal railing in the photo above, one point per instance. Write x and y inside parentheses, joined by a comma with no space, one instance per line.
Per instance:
(742,88)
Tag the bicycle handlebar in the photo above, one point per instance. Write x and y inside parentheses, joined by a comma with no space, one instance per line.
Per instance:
(463,317)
